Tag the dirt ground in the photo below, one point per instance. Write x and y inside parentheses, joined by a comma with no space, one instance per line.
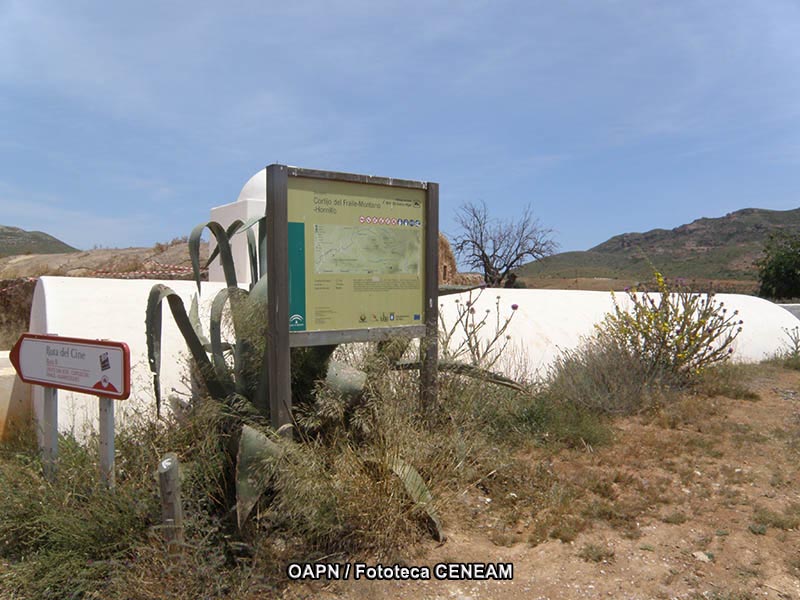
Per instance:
(702,501)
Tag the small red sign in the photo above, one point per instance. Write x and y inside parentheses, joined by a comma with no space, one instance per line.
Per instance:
(97,367)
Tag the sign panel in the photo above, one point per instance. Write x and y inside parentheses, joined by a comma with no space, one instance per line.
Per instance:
(97,367)
(356,255)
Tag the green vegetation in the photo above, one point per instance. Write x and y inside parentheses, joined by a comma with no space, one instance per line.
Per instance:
(14,240)
(789,355)
(672,330)
(368,472)
(596,553)
(16,297)
(779,269)
(719,248)
(641,357)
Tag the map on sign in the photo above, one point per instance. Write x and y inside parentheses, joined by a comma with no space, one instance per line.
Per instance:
(356,255)
(361,250)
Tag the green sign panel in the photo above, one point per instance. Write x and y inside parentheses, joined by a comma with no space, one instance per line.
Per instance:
(356,255)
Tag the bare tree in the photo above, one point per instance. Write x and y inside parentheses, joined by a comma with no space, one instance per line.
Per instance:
(495,247)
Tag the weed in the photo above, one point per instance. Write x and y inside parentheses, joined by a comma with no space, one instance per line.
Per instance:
(475,336)
(673,330)
(675,518)
(724,595)
(596,553)
(726,379)
(789,518)
(604,377)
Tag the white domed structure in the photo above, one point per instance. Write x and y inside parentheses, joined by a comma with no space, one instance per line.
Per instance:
(255,188)
(252,202)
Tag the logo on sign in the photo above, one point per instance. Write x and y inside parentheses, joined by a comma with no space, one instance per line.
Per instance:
(296,319)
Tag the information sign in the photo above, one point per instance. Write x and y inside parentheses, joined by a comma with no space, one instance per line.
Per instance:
(350,258)
(97,367)
(356,255)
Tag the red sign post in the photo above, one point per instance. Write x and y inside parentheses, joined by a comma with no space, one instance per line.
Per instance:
(98,367)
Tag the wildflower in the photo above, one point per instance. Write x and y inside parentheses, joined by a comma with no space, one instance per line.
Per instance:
(514,306)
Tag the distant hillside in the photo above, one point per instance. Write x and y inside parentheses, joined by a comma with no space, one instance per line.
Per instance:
(14,240)
(719,248)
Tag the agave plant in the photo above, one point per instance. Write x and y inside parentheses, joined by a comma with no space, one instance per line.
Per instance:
(238,386)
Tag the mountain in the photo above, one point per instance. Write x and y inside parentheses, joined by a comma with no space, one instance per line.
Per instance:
(723,248)
(14,240)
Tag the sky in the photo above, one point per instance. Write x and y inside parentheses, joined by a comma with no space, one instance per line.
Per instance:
(123,123)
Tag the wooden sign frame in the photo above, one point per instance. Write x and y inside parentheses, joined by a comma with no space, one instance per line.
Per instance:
(279,338)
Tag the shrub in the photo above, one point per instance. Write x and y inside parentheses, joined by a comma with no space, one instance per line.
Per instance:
(673,331)
(607,377)
(779,269)
(789,356)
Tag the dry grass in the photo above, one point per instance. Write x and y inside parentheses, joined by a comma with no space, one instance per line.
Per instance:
(485,452)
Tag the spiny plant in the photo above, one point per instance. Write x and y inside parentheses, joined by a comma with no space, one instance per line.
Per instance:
(464,338)
(673,329)
(234,371)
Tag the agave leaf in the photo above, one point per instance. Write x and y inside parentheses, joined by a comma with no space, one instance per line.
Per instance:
(158,293)
(257,298)
(257,305)
(257,266)
(465,369)
(252,251)
(252,478)
(223,243)
(194,317)
(215,331)
(231,231)
(344,379)
(262,247)
(418,492)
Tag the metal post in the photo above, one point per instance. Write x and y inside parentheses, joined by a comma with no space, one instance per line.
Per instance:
(429,345)
(50,430)
(169,481)
(107,441)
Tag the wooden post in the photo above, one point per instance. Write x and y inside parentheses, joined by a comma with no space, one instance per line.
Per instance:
(429,345)
(278,356)
(50,433)
(171,509)
(106,406)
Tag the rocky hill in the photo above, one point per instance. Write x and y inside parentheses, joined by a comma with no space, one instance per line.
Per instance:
(708,248)
(14,240)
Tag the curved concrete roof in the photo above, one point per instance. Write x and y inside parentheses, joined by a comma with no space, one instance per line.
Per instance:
(545,323)
(255,188)
(550,321)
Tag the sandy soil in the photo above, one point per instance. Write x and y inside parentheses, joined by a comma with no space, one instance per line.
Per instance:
(681,494)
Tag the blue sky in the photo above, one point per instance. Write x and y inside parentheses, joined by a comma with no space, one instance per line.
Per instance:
(124,123)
